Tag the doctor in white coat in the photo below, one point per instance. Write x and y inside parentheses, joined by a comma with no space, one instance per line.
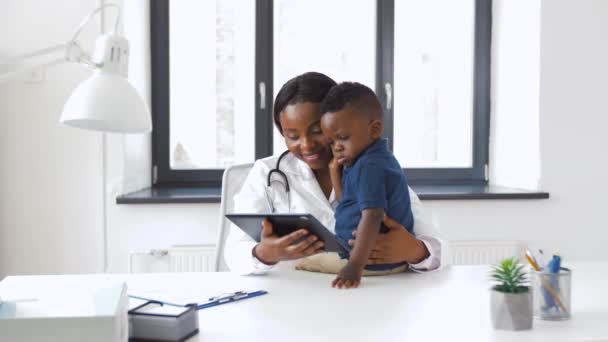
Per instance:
(304,169)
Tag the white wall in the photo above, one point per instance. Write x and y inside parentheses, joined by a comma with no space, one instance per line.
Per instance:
(572,104)
(50,175)
(572,121)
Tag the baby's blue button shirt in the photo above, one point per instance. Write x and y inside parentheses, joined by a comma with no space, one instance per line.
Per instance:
(374,180)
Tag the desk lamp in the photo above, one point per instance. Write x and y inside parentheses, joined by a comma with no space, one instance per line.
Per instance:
(106,101)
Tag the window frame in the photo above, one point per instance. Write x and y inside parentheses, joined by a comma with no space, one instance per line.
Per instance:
(161,94)
(162,174)
(477,174)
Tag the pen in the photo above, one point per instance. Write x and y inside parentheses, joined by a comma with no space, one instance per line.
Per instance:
(546,283)
(213,301)
(555,264)
(541,257)
(230,297)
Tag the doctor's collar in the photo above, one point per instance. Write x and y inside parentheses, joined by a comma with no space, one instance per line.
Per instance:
(292,165)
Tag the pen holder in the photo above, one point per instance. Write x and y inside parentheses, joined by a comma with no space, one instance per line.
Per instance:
(552,293)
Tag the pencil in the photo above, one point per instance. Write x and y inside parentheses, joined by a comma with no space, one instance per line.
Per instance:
(532,263)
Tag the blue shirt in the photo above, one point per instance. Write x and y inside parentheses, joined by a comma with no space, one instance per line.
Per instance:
(374,180)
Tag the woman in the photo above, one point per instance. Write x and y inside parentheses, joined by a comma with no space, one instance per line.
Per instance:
(306,167)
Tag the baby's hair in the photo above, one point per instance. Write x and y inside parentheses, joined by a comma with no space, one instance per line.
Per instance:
(308,87)
(354,95)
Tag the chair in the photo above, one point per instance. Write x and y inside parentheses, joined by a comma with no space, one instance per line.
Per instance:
(232,181)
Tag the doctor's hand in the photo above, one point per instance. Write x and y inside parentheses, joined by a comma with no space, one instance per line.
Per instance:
(397,245)
(273,248)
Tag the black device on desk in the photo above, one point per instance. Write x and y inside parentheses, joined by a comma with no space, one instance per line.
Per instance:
(157,321)
(284,224)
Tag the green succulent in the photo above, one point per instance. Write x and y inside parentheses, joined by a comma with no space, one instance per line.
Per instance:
(510,275)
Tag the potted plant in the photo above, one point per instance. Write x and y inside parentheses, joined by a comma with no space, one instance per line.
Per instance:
(511,297)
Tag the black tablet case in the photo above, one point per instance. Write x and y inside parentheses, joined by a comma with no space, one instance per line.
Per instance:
(284,224)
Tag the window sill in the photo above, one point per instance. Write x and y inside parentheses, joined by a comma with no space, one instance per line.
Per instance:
(160,194)
(201,194)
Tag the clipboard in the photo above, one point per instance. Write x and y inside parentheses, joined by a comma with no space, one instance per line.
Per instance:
(223,298)
(284,224)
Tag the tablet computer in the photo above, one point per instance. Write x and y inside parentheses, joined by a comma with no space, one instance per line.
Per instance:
(284,224)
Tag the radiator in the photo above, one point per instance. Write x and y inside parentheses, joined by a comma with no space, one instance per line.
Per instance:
(475,252)
(200,258)
(183,258)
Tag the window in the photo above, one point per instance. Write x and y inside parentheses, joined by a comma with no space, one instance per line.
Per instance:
(346,52)
(203,63)
(217,65)
(433,82)
(210,79)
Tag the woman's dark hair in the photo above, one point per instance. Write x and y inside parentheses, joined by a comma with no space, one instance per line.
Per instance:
(308,87)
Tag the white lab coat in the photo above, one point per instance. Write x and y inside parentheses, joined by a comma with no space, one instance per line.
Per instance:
(306,197)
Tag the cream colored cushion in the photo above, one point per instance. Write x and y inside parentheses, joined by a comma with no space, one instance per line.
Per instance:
(332,263)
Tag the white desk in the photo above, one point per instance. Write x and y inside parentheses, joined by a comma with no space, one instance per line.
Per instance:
(450,305)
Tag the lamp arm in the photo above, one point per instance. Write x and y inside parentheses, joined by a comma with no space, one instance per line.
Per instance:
(36,53)
(13,74)
(88,18)
(73,51)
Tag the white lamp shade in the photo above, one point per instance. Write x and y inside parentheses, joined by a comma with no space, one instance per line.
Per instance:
(107,102)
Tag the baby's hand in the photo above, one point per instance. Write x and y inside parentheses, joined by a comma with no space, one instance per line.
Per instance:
(348,277)
(334,165)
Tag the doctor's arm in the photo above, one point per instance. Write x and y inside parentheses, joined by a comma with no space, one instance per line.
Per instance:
(244,255)
(238,245)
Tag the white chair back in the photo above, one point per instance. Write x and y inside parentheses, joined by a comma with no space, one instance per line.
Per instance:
(232,182)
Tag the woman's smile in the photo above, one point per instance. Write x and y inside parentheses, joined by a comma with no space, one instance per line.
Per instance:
(313,157)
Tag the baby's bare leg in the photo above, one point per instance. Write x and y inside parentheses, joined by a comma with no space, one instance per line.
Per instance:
(367,231)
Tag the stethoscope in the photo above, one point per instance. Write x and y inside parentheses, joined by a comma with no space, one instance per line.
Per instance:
(284,182)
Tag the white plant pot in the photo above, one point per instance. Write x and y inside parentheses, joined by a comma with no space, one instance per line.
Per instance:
(511,311)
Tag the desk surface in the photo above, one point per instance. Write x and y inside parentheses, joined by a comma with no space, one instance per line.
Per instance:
(449,305)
